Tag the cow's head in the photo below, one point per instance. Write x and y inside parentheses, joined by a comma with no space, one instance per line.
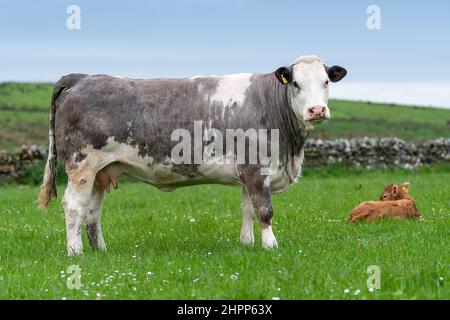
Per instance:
(307,81)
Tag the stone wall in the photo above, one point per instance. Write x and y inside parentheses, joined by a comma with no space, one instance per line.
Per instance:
(376,152)
(360,152)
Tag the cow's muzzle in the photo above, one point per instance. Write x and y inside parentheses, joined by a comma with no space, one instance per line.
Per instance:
(317,113)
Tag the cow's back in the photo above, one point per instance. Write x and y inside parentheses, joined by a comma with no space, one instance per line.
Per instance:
(141,113)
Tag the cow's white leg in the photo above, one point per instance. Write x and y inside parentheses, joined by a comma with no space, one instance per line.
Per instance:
(248,214)
(76,200)
(268,238)
(259,191)
(93,219)
(75,204)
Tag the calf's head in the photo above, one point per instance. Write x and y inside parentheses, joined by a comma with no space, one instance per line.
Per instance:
(395,192)
(307,81)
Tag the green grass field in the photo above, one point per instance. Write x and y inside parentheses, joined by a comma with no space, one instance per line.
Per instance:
(185,244)
(24,112)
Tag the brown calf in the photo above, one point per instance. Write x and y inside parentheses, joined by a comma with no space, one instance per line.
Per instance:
(395,202)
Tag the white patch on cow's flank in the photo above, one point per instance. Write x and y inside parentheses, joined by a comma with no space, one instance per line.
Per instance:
(129,161)
(231,89)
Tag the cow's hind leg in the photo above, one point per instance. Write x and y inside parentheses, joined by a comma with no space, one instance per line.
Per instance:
(248,214)
(93,219)
(76,201)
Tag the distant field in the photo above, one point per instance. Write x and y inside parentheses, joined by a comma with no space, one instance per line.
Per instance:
(24,115)
(185,244)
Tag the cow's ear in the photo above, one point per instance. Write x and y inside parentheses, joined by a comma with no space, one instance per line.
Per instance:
(335,73)
(284,75)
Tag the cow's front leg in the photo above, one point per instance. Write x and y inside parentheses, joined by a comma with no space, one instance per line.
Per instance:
(258,189)
(248,213)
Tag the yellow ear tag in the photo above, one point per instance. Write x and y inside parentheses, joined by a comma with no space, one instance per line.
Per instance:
(284,79)
(406,190)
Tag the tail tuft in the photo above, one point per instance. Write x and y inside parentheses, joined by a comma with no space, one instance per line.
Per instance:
(47,192)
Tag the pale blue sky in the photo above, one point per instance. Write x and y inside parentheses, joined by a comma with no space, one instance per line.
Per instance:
(146,39)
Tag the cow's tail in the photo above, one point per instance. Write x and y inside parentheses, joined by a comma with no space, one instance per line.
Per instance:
(47,192)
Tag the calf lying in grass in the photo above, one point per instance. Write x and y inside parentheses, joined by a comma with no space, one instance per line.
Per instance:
(395,202)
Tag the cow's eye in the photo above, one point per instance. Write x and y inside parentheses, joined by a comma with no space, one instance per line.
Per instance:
(296,85)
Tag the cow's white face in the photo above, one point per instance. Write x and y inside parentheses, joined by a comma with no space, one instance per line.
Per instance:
(308,80)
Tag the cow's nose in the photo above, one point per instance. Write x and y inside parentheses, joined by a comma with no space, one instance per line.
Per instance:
(317,112)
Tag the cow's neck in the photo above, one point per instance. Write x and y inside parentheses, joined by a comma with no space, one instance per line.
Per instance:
(274,100)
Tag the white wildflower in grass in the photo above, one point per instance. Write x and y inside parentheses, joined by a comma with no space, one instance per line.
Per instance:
(192,220)
(371,289)
(149,274)
(357,292)
(346,290)
(233,277)
(275,298)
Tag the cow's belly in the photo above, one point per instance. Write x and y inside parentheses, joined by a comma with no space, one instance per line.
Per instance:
(124,159)
(165,175)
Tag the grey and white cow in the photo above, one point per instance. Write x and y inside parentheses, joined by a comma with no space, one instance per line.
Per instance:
(103,126)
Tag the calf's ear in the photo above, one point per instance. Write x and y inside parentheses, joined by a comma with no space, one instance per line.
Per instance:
(284,75)
(405,186)
(395,189)
(335,73)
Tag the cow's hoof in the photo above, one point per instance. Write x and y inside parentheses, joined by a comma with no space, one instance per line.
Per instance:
(270,245)
(268,239)
(74,251)
(247,241)
(100,246)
